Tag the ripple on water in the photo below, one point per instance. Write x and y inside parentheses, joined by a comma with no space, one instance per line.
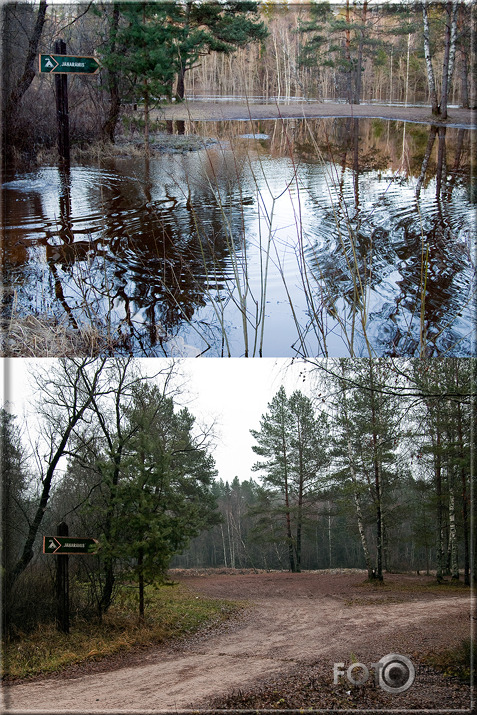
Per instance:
(168,249)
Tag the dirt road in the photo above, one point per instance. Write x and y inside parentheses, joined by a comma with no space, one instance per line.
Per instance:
(293,619)
(200,111)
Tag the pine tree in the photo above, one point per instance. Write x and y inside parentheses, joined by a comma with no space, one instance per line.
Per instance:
(205,27)
(138,52)
(292,442)
(163,497)
(337,38)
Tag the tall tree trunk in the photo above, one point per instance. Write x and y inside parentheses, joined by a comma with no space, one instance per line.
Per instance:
(300,502)
(147,151)
(362,532)
(78,407)
(109,125)
(180,89)
(454,567)
(377,476)
(464,78)
(348,55)
(291,555)
(356,496)
(140,564)
(427,54)
(465,505)
(109,577)
(440,508)
(359,73)
(449,56)
(11,102)
(30,66)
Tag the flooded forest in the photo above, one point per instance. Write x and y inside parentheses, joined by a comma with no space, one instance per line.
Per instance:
(302,229)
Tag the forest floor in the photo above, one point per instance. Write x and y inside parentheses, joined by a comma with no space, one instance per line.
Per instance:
(202,111)
(279,653)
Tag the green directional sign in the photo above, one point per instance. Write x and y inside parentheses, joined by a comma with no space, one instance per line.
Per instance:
(66,64)
(63,545)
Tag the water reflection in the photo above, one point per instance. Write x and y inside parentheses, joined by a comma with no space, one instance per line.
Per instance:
(322,237)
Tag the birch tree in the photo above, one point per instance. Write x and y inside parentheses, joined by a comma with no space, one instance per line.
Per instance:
(439,107)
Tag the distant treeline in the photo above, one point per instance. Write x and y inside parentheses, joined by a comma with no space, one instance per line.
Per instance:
(370,469)
(153,52)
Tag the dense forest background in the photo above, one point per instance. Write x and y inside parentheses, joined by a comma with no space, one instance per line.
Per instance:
(368,466)
(151,53)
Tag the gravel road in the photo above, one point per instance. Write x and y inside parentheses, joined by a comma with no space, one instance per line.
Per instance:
(293,619)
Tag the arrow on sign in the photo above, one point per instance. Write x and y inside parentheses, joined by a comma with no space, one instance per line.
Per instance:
(66,64)
(64,545)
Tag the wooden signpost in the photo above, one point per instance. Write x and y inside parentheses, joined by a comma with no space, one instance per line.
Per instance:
(61,65)
(61,546)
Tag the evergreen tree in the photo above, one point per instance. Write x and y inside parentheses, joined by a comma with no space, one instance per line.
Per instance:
(163,497)
(139,50)
(338,38)
(446,427)
(368,433)
(204,27)
(292,441)
(14,485)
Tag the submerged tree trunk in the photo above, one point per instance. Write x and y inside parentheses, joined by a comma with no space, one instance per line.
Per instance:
(147,151)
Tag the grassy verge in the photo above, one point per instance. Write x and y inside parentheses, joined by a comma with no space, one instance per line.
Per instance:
(455,662)
(171,612)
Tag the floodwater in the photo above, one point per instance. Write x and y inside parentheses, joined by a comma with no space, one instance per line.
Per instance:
(321,237)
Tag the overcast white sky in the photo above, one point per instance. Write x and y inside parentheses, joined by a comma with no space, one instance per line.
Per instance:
(235,392)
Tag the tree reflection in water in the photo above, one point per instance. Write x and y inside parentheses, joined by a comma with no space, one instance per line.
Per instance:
(368,250)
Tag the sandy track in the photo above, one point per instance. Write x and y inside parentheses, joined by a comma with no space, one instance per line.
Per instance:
(201,111)
(301,618)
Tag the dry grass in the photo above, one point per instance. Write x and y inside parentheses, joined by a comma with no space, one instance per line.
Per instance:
(160,143)
(171,612)
(45,336)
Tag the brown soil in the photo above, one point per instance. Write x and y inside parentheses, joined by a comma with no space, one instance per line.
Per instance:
(296,625)
(201,111)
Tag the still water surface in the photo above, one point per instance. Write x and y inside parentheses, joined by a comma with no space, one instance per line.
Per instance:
(320,237)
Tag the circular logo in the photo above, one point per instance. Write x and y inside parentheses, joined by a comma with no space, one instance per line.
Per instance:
(396,674)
